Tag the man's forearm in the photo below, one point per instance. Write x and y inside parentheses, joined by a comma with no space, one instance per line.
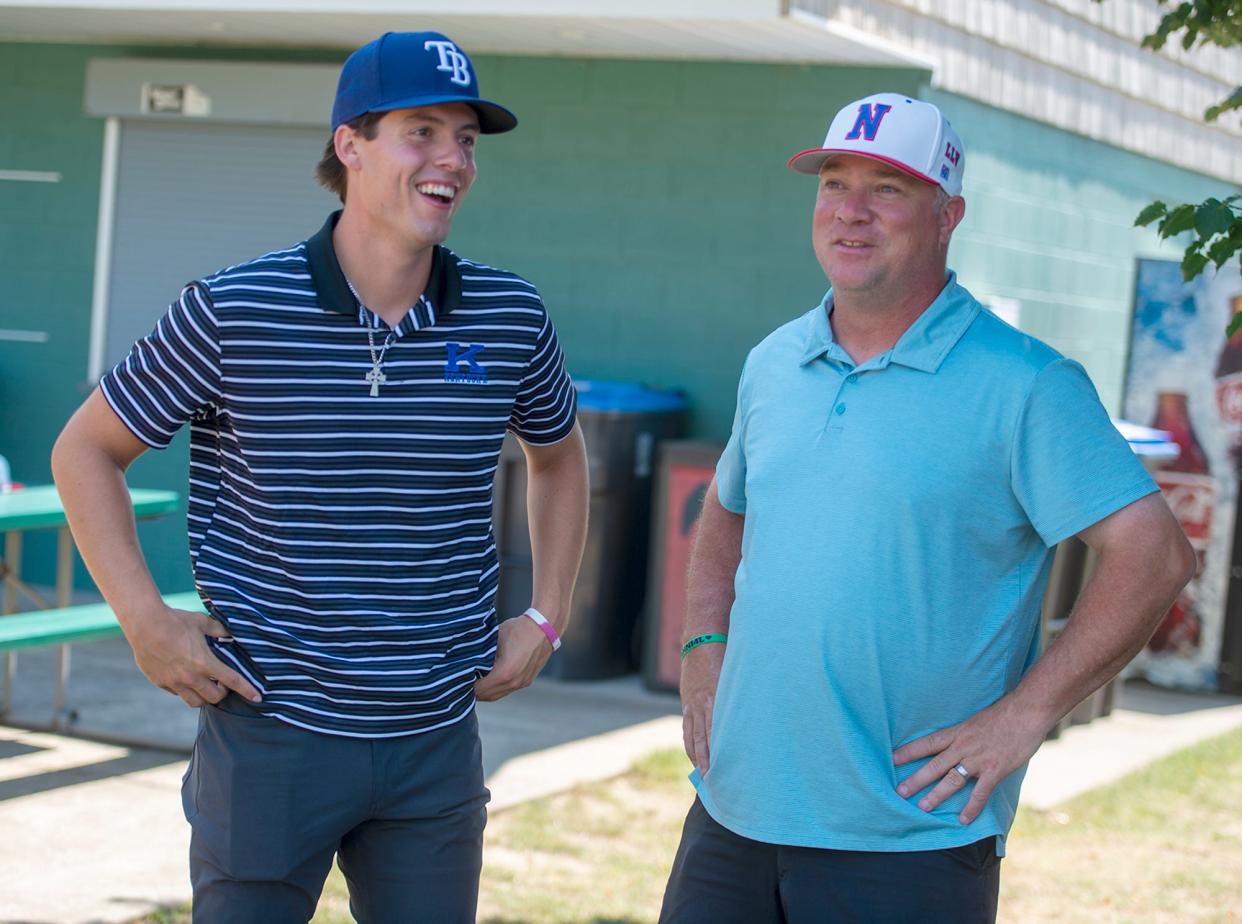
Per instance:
(557,499)
(92,489)
(1130,590)
(713,567)
(1144,560)
(709,598)
(170,648)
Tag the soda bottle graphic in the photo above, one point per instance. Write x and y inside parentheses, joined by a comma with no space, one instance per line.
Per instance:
(1190,490)
(1229,390)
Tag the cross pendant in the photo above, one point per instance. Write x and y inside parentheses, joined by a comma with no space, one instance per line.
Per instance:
(376,378)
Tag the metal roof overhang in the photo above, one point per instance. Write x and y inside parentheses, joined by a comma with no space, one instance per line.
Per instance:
(736,30)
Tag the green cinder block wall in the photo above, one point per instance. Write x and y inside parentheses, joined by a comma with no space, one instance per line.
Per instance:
(1050,222)
(647,199)
(47,253)
(650,203)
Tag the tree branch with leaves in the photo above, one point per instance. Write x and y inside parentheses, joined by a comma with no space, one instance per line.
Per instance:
(1216,223)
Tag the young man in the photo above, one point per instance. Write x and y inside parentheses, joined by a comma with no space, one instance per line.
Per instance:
(347,399)
(860,684)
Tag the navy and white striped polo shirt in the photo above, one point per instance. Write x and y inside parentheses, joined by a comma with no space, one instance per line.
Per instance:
(345,539)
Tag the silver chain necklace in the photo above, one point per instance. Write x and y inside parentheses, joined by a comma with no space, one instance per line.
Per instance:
(375,376)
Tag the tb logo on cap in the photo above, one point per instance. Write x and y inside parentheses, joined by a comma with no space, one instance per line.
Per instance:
(453,61)
(870,115)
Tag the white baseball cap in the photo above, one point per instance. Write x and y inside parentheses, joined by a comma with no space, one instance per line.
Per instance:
(909,134)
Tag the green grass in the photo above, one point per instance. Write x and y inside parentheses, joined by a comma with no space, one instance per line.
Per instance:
(1164,844)
(1161,846)
(179,915)
(599,853)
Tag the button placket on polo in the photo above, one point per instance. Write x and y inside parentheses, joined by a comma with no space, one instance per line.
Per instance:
(836,406)
(849,383)
(851,379)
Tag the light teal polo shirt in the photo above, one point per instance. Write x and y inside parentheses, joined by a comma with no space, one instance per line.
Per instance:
(900,522)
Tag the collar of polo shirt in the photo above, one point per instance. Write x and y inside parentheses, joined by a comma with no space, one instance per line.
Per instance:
(443,290)
(923,346)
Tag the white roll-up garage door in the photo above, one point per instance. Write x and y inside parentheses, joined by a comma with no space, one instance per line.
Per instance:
(192,198)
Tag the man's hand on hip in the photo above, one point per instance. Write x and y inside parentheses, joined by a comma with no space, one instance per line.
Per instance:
(988,747)
(521,652)
(171,650)
(700,672)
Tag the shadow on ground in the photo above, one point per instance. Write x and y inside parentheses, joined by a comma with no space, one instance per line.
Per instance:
(47,780)
(1140,696)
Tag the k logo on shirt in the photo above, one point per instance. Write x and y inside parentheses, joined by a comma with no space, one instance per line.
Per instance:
(473,373)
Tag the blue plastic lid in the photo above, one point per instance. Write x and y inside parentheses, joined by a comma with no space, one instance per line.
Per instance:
(1148,441)
(597,395)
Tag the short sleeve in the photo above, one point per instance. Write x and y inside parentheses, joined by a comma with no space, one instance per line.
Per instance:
(171,375)
(731,469)
(546,403)
(1069,467)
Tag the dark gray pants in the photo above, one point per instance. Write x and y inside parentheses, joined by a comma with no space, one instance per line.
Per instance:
(722,878)
(270,804)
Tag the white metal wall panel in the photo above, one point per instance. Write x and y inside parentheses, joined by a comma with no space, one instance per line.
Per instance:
(1133,20)
(745,32)
(1061,63)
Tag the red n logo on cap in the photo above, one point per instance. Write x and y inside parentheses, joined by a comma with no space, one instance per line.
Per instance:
(868,122)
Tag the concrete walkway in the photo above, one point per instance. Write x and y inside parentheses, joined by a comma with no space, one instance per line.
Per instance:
(93,832)
(1148,724)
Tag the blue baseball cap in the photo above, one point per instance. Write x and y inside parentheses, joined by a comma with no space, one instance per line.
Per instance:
(401,70)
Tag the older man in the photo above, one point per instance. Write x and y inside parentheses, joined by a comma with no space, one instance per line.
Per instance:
(347,399)
(860,683)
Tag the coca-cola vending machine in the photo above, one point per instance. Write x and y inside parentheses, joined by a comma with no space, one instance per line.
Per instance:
(1229,405)
(1185,378)
(1190,489)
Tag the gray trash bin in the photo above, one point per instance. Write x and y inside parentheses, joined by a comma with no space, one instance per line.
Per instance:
(622,424)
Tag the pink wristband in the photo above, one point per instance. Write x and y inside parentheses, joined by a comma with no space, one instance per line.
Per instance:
(542,622)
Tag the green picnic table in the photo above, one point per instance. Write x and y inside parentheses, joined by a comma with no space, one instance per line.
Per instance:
(40,508)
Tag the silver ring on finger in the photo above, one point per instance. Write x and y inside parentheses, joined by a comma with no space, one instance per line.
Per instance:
(961,768)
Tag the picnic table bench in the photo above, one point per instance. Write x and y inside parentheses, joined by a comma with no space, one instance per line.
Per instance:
(70,624)
(39,507)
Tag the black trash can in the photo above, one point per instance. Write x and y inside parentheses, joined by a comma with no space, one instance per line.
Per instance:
(1072,569)
(622,424)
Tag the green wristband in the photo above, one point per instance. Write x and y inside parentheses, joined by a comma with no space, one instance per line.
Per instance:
(702,640)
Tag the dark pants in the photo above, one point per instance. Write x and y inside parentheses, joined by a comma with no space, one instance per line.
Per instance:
(270,804)
(722,878)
